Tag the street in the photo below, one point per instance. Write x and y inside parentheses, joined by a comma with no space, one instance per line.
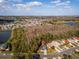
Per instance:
(68,52)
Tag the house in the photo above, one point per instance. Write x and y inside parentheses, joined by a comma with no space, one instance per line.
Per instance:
(66,41)
(60,41)
(77,50)
(76,39)
(53,43)
(71,40)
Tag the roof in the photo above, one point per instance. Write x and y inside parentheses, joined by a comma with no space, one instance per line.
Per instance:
(66,41)
(53,43)
(76,38)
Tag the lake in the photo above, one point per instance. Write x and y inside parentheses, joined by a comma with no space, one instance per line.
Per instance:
(4,36)
(71,23)
(3,21)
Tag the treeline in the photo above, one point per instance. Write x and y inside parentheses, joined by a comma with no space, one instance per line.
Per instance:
(49,37)
(20,42)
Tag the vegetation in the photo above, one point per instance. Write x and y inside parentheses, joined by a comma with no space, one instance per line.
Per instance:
(67,56)
(20,43)
(76,53)
(49,37)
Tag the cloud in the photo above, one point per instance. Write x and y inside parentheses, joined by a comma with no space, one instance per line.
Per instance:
(56,1)
(56,7)
(61,3)
(16,0)
(28,5)
(68,1)
(62,7)
(7,5)
(35,3)
(1,1)
(8,8)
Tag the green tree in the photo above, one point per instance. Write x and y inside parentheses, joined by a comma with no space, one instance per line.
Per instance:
(47,37)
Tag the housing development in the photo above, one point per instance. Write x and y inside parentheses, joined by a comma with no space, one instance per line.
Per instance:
(39,37)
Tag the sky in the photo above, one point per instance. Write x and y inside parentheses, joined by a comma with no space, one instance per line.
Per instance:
(39,7)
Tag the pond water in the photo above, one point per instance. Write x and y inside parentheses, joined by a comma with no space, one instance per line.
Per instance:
(3,21)
(71,23)
(4,36)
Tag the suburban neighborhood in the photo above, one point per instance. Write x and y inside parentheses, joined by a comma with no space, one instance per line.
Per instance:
(49,37)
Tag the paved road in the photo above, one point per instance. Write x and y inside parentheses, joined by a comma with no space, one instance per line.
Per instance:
(68,52)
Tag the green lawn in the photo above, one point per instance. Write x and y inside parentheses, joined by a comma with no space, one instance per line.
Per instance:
(5,58)
(76,53)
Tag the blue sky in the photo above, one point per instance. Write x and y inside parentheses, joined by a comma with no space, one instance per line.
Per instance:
(39,7)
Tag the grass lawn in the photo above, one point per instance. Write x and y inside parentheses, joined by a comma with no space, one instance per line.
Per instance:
(50,50)
(76,53)
(62,47)
(39,51)
(5,58)
(68,45)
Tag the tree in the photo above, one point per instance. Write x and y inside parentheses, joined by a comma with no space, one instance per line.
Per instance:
(47,37)
(20,43)
(77,33)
